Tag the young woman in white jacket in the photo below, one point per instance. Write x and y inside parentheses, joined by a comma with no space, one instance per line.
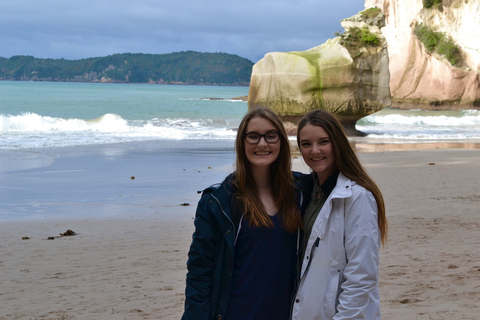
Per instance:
(345,224)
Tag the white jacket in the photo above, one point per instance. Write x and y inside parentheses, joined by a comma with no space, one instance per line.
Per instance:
(339,273)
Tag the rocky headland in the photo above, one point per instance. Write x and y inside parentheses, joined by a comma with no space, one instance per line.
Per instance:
(347,75)
(422,54)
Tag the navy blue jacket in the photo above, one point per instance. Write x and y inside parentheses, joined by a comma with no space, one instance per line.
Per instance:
(210,259)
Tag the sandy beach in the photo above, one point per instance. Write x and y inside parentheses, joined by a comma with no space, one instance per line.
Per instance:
(133,266)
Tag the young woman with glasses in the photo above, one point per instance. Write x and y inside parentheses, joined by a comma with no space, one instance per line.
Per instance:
(243,256)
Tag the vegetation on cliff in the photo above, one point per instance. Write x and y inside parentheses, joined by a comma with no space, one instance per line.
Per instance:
(356,36)
(438,42)
(427,4)
(186,67)
(370,13)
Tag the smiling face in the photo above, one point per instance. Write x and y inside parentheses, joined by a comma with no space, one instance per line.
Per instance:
(317,150)
(261,154)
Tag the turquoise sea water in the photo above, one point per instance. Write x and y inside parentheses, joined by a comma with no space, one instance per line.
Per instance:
(51,114)
(46,114)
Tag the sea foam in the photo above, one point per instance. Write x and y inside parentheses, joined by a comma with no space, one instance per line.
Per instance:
(417,125)
(30,130)
(32,122)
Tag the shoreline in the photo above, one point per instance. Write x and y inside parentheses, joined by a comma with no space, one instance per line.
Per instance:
(371,146)
(114,179)
(363,145)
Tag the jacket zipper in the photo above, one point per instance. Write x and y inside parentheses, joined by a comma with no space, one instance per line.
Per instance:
(221,208)
(233,225)
(315,245)
(317,241)
(219,316)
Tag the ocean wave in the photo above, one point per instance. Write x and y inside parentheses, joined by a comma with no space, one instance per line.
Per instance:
(419,118)
(421,125)
(422,136)
(32,122)
(31,130)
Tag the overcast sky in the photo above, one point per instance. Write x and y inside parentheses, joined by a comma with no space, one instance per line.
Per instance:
(94,28)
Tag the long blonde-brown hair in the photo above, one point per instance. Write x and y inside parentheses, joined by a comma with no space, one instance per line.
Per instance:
(346,159)
(281,179)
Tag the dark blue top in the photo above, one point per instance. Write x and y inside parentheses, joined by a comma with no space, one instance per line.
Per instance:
(263,273)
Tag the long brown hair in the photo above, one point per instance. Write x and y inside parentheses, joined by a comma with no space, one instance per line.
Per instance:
(346,159)
(281,179)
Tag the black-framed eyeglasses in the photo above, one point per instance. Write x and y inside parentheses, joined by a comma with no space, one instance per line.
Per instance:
(254,137)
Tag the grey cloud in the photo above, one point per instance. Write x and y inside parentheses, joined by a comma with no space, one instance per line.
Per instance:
(91,28)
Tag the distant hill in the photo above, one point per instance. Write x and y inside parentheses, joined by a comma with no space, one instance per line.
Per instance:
(186,67)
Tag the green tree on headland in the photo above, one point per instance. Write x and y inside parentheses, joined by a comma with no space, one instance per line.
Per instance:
(186,67)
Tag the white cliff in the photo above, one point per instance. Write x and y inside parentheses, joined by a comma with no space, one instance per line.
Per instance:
(419,78)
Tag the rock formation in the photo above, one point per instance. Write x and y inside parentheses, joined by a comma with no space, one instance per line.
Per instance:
(422,79)
(345,75)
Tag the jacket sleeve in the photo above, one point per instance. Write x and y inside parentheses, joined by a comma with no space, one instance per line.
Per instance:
(200,263)
(362,246)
